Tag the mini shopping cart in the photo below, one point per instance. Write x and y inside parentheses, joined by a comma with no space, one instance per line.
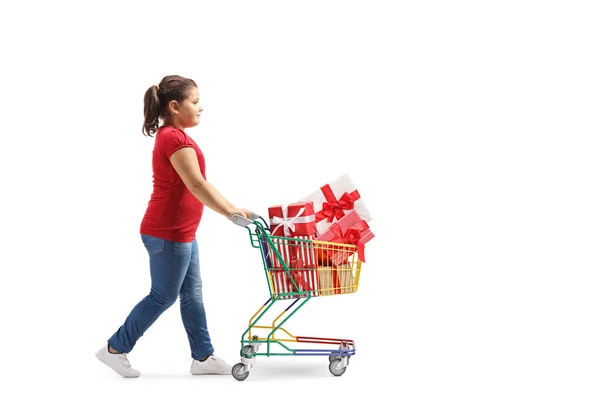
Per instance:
(297,269)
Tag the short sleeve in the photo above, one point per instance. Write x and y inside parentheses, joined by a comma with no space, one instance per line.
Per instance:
(173,139)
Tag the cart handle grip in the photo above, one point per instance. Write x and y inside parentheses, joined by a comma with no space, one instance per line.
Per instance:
(243,221)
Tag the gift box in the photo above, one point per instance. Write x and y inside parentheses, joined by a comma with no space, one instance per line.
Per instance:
(335,279)
(293,220)
(346,278)
(350,229)
(299,258)
(334,200)
(325,284)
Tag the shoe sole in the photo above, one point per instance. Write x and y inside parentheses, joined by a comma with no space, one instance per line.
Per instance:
(211,373)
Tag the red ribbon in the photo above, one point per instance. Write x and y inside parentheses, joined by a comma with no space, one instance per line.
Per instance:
(295,264)
(334,208)
(352,236)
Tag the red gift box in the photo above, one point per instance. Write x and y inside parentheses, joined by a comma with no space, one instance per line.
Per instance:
(293,220)
(350,229)
(299,258)
(300,268)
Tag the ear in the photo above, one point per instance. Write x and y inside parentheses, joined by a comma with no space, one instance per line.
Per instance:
(173,107)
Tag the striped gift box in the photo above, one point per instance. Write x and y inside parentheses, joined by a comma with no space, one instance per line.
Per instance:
(350,229)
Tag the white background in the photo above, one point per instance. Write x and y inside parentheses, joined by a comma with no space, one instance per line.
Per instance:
(469,127)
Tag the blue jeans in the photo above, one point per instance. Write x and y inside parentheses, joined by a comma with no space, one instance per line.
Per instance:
(175,272)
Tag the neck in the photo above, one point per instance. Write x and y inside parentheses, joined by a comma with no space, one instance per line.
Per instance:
(174,123)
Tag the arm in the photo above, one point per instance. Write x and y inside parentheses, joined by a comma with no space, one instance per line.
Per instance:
(186,165)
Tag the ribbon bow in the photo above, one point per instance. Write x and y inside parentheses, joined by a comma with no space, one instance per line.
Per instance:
(351,236)
(334,208)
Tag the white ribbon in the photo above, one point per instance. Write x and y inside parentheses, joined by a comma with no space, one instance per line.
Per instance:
(288,223)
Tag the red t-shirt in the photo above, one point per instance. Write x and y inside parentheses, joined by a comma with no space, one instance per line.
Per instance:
(173,212)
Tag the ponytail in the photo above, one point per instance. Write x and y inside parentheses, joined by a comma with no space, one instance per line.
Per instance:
(151,111)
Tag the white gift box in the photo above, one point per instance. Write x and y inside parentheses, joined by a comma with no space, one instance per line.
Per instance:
(334,200)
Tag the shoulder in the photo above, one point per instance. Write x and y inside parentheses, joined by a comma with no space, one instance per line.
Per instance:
(170,132)
(169,135)
(170,139)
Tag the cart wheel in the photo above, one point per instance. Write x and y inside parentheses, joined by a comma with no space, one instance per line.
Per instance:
(335,368)
(237,373)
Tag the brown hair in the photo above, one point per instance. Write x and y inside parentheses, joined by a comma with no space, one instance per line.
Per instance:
(157,97)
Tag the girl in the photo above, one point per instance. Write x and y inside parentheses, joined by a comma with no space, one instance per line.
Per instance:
(169,226)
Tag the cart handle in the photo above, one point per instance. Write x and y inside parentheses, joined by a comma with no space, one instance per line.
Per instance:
(243,221)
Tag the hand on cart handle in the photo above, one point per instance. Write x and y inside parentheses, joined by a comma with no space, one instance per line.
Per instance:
(241,220)
(238,211)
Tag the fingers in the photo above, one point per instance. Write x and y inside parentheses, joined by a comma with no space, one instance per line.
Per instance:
(241,211)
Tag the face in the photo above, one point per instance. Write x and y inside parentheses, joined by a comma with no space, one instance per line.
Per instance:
(189,110)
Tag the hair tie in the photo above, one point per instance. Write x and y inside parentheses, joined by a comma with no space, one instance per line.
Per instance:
(157,88)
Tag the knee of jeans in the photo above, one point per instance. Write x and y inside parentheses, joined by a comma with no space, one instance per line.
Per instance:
(163,300)
(191,295)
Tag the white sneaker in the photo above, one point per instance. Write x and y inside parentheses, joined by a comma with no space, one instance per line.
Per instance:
(211,366)
(118,362)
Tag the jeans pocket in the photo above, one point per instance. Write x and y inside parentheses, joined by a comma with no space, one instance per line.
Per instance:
(153,244)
